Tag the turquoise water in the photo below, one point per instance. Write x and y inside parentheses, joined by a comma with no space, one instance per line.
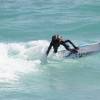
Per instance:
(26,27)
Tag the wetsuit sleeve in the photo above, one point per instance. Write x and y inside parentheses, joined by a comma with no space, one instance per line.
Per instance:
(49,49)
(66,46)
(70,43)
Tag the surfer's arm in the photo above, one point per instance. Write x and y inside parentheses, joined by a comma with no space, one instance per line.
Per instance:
(71,43)
(66,46)
(49,48)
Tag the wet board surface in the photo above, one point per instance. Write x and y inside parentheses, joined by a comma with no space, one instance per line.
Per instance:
(83,51)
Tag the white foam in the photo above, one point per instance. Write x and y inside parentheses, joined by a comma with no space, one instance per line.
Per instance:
(18,58)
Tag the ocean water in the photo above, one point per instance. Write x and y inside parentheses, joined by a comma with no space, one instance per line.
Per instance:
(26,27)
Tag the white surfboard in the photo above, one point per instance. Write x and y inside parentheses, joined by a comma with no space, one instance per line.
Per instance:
(83,51)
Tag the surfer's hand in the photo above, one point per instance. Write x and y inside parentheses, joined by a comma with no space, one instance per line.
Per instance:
(76,48)
(74,51)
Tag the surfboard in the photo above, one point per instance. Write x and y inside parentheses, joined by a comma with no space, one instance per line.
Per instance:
(83,51)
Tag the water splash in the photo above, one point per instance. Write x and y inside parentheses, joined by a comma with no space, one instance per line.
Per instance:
(17,58)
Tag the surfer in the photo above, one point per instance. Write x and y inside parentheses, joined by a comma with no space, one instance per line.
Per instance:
(57,41)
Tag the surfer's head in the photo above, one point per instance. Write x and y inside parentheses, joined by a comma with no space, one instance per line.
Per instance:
(55,37)
(56,42)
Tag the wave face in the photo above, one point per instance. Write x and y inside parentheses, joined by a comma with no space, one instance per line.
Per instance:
(26,27)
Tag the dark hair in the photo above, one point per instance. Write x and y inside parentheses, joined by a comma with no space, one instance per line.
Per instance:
(54,37)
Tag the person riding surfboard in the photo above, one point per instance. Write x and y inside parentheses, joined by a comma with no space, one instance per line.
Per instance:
(57,41)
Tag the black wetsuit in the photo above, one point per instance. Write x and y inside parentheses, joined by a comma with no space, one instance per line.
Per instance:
(56,43)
